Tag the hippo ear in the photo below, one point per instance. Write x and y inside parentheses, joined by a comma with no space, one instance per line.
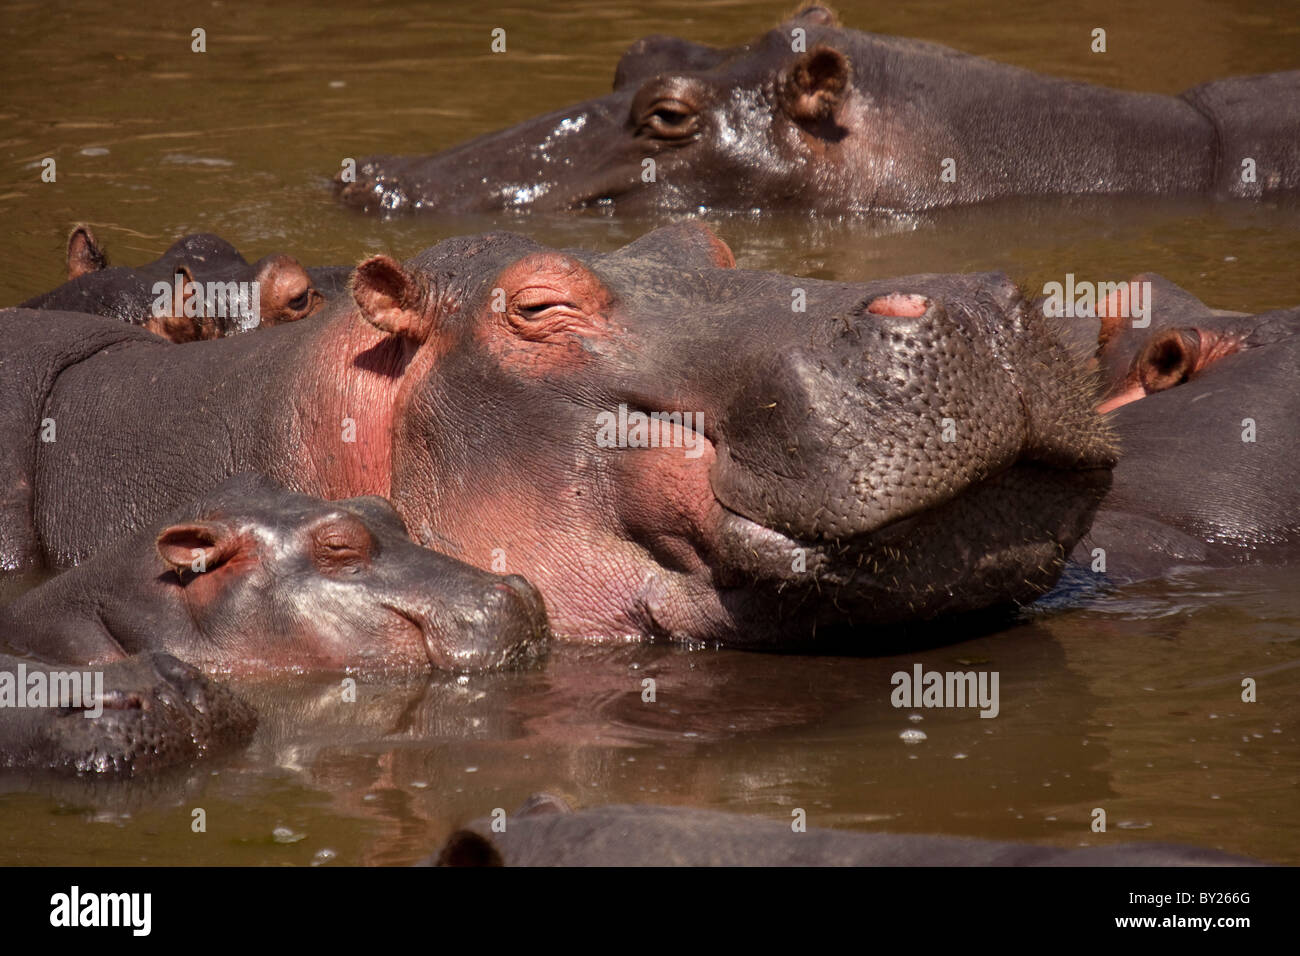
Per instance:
(467,848)
(816,84)
(84,253)
(197,546)
(392,299)
(185,321)
(817,15)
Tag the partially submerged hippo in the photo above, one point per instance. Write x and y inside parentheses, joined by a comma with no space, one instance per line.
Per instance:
(144,713)
(547,833)
(1205,404)
(663,444)
(252,578)
(812,117)
(215,283)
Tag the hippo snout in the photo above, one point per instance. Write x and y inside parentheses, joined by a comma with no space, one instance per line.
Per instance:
(505,625)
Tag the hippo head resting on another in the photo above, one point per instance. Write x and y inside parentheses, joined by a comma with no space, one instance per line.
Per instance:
(669,446)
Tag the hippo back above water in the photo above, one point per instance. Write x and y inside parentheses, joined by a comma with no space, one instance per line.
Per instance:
(813,117)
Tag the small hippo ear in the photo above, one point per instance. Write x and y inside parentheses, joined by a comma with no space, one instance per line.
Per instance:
(392,299)
(84,253)
(197,546)
(467,848)
(185,321)
(816,84)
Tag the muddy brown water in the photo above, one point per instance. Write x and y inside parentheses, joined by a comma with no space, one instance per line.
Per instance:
(1130,702)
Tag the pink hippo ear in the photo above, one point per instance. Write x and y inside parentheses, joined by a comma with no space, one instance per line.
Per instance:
(84,253)
(816,84)
(393,300)
(197,547)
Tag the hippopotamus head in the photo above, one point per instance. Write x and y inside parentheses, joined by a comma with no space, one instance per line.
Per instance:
(210,274)
(252,578)
(667,445)
(762,125)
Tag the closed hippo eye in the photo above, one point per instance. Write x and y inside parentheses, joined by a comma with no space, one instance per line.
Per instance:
(342,544)
(300,301)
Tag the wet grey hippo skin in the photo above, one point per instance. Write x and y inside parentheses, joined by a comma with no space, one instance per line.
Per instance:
(155,712)
(546,833)
(901,450)
(285,582)
(1188,489)
(853,122)
(286,291)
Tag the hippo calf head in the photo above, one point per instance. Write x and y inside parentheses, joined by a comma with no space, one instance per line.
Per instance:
(274,579)
(209,274)
(255,578)
(669,446)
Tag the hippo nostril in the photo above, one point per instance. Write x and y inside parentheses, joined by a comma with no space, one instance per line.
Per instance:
(899,305)
(1167,361)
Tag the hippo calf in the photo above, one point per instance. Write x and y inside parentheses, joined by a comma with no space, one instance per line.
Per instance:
(1205,406)
(546,833)
(144,713)
(812,117)
(209,288)
(251,578)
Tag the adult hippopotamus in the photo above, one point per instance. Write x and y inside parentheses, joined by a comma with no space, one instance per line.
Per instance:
(546,832)
(1205,405)
(663,444)
(210,289)
(812,117)
(252,578)
(143,713)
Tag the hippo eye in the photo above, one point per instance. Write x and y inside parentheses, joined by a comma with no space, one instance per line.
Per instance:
(299,302)
(342,547)
(537,316)
(670,119)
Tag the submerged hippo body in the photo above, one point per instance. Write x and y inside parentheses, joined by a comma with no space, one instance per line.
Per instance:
(852,122)
(251,578)
(665,445)
(1205,405)
(547,833)
(144,713)
(205,267)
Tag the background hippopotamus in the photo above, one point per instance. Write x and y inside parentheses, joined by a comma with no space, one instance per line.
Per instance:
(1205,404)
(252,577)
(154,712)
(837,121)
(545,832)
(286,291)
(827,458)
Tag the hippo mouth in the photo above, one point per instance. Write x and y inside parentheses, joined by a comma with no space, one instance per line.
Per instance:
(1001,541)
